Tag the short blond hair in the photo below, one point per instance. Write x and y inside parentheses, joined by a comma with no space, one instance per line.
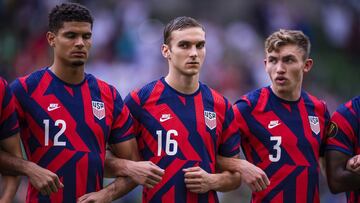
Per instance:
(285,37)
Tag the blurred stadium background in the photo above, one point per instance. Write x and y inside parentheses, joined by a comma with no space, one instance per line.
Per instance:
(127,36)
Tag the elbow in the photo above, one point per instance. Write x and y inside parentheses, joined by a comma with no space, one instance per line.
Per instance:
(335,185)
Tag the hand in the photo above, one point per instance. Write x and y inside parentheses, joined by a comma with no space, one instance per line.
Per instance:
(353,164)
(254,176)
(95,197)
(43,180)
(145,173)
(197,180)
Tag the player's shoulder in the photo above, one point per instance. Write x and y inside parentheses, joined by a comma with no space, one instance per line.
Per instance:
(250,99)
(145,90)
(312,100)
(29,80)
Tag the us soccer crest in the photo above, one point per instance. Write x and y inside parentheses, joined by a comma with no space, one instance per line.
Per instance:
(210,119)
(314,124)
(98,109)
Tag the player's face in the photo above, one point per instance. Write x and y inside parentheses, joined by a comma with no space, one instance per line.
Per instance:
(71,43)
(186,51)
(286,68)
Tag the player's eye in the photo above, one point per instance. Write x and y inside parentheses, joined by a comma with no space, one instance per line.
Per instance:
(87,36)
(200,45)
(70,35)
(183,45)
(272,60)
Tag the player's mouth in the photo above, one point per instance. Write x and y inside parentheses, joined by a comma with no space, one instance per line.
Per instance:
(193,63)
(281,80)
(78,53)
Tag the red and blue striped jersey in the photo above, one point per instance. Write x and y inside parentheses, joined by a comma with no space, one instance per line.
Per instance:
(346,140)
(285,139)
(177,131)
(65,128)
(8,120)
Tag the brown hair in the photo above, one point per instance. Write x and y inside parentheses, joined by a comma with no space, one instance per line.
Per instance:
(285,37)
(179,23)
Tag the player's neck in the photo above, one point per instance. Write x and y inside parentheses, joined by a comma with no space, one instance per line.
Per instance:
(183,84)
(287,95)
(70,75)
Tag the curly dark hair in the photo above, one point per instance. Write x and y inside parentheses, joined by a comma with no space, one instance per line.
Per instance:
(179,23)
(68,12)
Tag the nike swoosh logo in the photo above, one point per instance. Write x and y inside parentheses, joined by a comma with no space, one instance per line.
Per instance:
(164,119)
(52,108)
(273,125)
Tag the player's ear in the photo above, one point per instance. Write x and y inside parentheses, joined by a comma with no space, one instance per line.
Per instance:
(50,36)
(165,50)
(308,65)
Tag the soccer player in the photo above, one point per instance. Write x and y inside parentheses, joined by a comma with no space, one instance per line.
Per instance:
(182,125)
(282,126)
(67,116)
(342,144)
(11,162)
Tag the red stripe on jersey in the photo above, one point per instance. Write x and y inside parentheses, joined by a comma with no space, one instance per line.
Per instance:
(64,156)
(182,99)
(191,197)
(265,117)
(337,143)
(146,137)
(230,131)
(168,197)
(276,178)
(38,132)
(7,111)
(279,197)
(219,107)
(320,110)
(286,106)
(170,171)
(201,128)
(43,101)
(344,125)
(89,118)
(349,106)
(58,196)
(135,97)
(316,196)
(302,186)
(81,175)
(98,186)
(23,82)
(253,140)
(307,129)
(211,197)
(183,143)
(70,90)
(263,99)
(108,97)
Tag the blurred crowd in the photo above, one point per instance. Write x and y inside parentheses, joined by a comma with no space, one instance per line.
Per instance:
(127,36)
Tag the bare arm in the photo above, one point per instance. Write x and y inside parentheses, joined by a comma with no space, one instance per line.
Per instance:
(253,176)
(123,161)
(339,178)
(9,183)
(12,163)
(199,181)
(115,190)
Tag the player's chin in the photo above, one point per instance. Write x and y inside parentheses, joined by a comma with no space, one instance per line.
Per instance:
(76,63)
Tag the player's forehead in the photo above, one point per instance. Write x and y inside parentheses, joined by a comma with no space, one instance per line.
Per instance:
(192,35)
(76,27)
(286,50)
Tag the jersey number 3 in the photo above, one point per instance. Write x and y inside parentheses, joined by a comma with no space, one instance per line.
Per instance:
(277,156)
(57,135)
